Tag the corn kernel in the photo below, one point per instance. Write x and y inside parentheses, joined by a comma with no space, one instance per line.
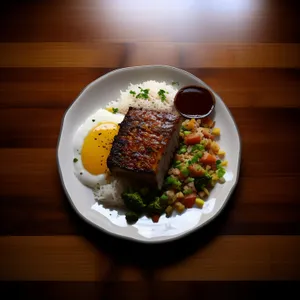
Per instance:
(221,152)
(110,109)
(199,202)
(179,207)
(215,177)
(215,147)
(216,131)
(224,163)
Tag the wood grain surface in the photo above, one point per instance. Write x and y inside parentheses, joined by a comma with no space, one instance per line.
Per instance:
(247,51)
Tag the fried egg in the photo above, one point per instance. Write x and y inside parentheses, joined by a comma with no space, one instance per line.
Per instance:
(92,144)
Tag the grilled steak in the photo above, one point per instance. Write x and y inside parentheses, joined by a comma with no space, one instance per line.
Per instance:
(144,146)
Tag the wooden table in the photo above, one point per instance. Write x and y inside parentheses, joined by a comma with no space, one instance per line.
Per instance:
(248,51)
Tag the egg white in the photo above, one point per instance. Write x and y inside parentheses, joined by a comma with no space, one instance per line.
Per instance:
(102,115)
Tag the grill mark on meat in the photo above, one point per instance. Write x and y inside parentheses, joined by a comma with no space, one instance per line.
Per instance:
(142,140)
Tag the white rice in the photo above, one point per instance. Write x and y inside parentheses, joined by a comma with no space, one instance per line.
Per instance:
(154,102)
(110,194)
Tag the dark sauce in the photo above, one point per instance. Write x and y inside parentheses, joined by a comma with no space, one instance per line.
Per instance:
(194,102)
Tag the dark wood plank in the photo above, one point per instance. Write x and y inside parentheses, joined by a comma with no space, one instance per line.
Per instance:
(247,51)
(89,54)
(71,258)
(254,125)
(190,21)
(52,88)
(141,290)
(33,202)
(115,54)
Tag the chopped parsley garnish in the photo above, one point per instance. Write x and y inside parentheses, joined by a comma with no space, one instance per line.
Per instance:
(162,94)
(144,94)
(175,83)
(132,92)
(115,110)
(93,120)
(75,160)
(218,162)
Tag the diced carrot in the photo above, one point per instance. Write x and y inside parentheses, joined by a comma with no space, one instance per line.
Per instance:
(189,200)
(208,121)
(155,218)
(196,170)
(192,139)
(208,159)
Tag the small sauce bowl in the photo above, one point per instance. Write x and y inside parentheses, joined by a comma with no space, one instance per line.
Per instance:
(194,101)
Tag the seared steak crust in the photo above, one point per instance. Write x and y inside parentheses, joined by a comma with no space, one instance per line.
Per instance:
(142,140)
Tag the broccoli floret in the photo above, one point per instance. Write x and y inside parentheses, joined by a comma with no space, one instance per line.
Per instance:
(201,182)
(133,201)
(131,217)
(157,207)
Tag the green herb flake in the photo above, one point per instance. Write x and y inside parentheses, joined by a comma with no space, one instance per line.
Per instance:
(132,92)
(162,94)
(218,162)
(115,110)
(175,83)
(75,160)
(144,94)
(93,120)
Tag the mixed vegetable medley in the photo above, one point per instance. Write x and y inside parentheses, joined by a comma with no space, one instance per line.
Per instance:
(197,167)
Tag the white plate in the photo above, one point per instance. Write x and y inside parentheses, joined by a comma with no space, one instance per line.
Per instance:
(96,95)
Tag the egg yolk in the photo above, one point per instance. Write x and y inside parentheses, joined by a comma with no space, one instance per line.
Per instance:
(96,147)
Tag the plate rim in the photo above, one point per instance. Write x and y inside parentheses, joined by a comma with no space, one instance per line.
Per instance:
(130,238)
